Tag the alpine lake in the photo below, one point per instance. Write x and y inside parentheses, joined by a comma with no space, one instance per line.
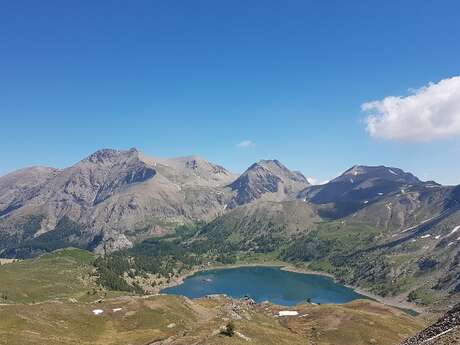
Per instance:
(265,283)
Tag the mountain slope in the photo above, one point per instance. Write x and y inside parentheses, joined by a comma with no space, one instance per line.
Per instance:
(112,199)
(268,179)
(356,188)
(22,185)
(261,226)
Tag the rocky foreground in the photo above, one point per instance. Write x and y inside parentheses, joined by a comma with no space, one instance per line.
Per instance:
(446,331)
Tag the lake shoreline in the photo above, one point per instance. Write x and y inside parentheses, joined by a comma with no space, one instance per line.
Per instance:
(390,301)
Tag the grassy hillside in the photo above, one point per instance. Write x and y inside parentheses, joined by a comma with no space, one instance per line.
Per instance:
(179,321)
(259,227)
(65,273)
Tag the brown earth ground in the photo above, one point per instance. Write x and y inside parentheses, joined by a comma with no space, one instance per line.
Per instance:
(174,320)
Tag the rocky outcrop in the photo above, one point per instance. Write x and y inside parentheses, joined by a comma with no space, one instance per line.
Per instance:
(446,331)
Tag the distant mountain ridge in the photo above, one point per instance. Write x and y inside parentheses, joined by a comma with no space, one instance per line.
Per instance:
(119,197)
(116,198)
(357,187)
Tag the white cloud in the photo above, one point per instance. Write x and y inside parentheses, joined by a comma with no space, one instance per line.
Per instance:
(246,144)
(430,112)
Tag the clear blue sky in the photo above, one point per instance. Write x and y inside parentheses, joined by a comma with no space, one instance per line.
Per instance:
(198,77)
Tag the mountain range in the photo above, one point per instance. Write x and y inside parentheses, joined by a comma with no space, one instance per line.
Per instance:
(114,198)
(372,226)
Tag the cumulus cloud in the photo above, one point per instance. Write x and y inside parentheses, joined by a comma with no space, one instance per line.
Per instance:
(430,112)
(246,144)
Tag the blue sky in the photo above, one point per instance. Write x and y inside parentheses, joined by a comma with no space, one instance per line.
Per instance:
(174,78)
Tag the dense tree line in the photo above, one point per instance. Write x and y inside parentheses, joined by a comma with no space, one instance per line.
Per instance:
(163,257)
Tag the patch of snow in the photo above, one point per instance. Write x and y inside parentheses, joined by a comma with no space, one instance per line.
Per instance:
(426,247)
(425,236)
(242,336)
(438,237)
(380,194)
(413,227)
(439,335)
(450,243)
(225,206)
(366,201)
(97,311)
(414,240)
(455,230)
(392,172)
(116,309)
(288,313)
(352,181)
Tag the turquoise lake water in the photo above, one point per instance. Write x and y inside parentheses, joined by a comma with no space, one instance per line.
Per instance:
(265,284)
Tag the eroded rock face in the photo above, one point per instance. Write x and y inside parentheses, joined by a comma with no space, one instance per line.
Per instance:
(267,178)
(22,185)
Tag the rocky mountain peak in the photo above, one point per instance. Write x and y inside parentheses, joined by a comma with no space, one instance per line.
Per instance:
(104,156)
(276,168)
(267,178)
(359,187)
(362,172)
